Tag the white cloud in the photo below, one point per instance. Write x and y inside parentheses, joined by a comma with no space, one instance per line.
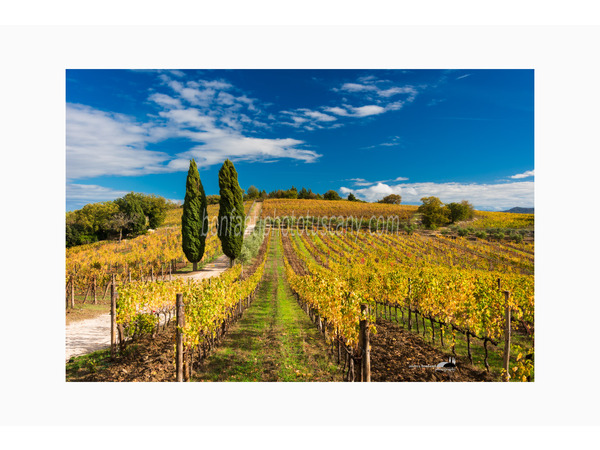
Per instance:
(337,110)
(218,145)
(368,110)
(393,141)
(101,143)
(217,132)
(482,196)
(319,116)
(81,194)
(411,91)
(355,87)
(463,76)
(309,119)
(370,86)
(361,111)
(165,100)
(363,182)
(212,115)
(529,173)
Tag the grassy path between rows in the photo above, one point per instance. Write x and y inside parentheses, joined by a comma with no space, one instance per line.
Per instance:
(274,340)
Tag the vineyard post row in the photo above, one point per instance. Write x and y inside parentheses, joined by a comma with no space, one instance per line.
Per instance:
(127,273)
(467,333)
(361,358)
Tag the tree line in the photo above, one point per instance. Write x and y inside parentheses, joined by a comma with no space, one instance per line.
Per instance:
(128,216)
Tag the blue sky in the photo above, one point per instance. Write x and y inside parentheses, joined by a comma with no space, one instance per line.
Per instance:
(454,134)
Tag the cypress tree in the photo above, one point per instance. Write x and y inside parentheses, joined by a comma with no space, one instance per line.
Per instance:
(194,221)
(231,219)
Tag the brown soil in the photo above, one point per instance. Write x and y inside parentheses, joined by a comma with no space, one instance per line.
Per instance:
(319,257)
(291,256)
(394,351)
(146,360)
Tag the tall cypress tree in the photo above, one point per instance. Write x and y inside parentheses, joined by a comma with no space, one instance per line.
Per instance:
(194,221)
(230,222)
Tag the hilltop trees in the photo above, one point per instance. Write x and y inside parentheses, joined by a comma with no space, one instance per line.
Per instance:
(131,206)
(253,193)
(433,212)
(331,195)
(130,215)
(231,219)
(194,220)
(436,214)
(460,211)
(392,199)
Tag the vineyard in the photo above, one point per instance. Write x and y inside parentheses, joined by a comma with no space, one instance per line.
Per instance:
(335,209)
(151,257)
(488,219)
(473,298)
(211,306)
(474,292)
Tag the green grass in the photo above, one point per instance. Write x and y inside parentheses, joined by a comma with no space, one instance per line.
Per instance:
(90,363)
(274,341)
(86,310)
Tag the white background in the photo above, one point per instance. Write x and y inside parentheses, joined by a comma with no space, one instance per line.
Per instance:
(38,407)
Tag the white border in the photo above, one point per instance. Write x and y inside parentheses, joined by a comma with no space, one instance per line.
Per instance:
(567,96)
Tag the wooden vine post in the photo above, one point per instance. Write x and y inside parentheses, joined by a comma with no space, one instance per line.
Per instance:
(409,306)
(180,325)
(365,344)
(94,288)
(506,360)
(72,292)
(113,318)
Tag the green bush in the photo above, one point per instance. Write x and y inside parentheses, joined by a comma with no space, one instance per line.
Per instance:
(252,243)
(433,213)
(459,211)
(142,324)
(409,228)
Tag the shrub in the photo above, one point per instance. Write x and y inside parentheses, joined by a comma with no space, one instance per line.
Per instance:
(409,228)
(459,211)
(433,212)
(331,195)
(252,243)
(392,199)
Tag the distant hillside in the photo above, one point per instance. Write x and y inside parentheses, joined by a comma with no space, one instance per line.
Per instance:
(520,210)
